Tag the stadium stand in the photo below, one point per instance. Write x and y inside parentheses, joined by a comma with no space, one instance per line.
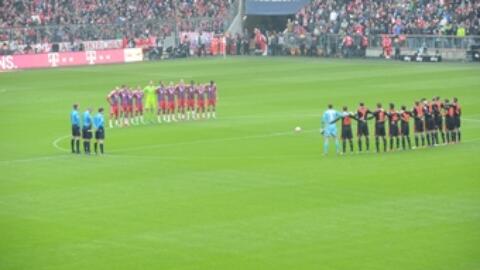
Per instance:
(25,22)
(430,17)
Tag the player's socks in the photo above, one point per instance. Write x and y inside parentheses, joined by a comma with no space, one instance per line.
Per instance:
(325,146)
(367,143)
(110,123)
(72,143)
(459,135)
(384,144)
(214,115)
(454,136)
(397,140)
(409,143)
(88,147)
(377,144)
(95,147)
(403,143)
(85,147)
(159,119)
(337,145)
(423,140)
(351,145)
(428,139)
(391,143)
(101,148)
(448,137)
(416,140)
(443,137)
(360,145)
(77,146)
(344,145)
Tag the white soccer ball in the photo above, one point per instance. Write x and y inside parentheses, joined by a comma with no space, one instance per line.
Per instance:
(298,129)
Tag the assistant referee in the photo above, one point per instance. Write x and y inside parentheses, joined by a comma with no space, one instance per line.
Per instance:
(98,124)
(75,120)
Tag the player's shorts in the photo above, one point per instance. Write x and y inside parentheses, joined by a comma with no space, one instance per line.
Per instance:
(347,132)
(362,129)
(212,102)
(181,103)
(191,103)
(162,105)
(100,134)
(130,108)
(87,133)
(405,128)
(393,131)
(171,105)
(380,129)
(139,108)
(419,127)
(149,103)
(124,107)
(457,121)
(430,124)
(114,110)
(201,103)
(330,131)
(75,131)
(450,123)
(438,122)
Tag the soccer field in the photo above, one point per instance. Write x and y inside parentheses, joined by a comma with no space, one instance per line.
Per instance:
(243,191)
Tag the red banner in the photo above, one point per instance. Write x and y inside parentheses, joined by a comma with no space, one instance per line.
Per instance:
(61,59)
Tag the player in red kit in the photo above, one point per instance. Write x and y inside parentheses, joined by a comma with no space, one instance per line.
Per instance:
(161,93)
(171,103)
(200,100)
(393,131)
(419,124)
(124,105)
(405,126)
(362,126)
(181,94)
(130,98)
(138,98)
(211,99)
(191,100)
(347,134)
(438,109)
(458,114)
(380,116)
(113,99)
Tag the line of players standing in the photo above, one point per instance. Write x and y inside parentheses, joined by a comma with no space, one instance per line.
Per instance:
(432,120)
(172,102)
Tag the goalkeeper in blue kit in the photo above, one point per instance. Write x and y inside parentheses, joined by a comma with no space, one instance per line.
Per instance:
(329,128)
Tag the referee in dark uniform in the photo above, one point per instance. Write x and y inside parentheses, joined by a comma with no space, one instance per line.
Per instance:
(75,120)
(99,125)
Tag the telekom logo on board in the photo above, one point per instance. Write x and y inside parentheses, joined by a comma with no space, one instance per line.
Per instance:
(91,57)
(53,59)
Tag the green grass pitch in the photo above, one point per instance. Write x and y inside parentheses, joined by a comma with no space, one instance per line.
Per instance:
(243,191)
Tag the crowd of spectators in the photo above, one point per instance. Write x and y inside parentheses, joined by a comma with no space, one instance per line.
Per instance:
(25,22)
(394,17)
